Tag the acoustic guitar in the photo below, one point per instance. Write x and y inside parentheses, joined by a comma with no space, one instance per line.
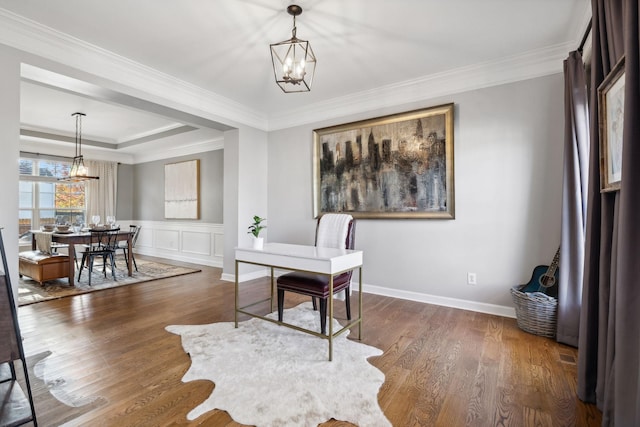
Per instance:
(545,278)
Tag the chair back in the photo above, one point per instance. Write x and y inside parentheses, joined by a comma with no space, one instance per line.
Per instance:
(351,232)
(350,240)
(135,229)
(104,240)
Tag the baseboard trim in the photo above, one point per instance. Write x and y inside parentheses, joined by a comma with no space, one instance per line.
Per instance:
(176,257)
(480,307)
(263,272)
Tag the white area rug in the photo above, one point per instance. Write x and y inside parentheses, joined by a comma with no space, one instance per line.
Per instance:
(270,375)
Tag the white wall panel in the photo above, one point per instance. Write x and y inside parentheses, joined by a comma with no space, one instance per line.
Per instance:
(167,239)
(198,243)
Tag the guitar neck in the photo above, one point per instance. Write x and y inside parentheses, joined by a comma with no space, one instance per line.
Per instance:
(554,264)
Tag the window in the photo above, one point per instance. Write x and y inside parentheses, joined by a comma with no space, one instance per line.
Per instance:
(44,200)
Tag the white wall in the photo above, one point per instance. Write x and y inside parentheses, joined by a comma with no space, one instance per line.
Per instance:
(245,190)
(508,170)
(9,144)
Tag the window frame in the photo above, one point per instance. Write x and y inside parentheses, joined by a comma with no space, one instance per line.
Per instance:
(35,180)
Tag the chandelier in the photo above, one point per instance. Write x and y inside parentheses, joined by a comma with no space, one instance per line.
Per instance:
(294,63)
(78,171)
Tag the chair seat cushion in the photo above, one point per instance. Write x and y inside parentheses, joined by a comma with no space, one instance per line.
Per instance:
(315,285)
(37,257)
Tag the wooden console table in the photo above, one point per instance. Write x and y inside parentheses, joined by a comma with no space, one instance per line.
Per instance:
(312,259)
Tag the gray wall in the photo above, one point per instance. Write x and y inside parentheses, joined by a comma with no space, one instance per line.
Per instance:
(124,202)
(147,183)
(508,176)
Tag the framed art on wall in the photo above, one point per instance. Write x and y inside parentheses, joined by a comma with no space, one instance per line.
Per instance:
(611,121)
(397,166)
(182,190)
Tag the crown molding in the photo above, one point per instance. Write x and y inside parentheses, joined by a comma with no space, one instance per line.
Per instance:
(37,39)
(52,144)
(524,66)
(32,37)
(57,148)
(179,151)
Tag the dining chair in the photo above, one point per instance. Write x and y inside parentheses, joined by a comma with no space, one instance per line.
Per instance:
(333,231)
(122,245)
(103,243)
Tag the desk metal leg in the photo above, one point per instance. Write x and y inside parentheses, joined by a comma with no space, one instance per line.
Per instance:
(235,311)
(272,291)
(360,303)
(330,318)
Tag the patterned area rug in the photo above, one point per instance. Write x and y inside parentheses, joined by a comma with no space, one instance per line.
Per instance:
(30,291)
(270,375)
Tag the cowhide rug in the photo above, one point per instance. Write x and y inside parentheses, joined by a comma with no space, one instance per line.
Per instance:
(270,375)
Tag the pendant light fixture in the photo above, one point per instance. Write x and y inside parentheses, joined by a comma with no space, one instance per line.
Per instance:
(294,63)
(78,171)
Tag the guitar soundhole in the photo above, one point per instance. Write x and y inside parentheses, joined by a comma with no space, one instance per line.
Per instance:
(547,281)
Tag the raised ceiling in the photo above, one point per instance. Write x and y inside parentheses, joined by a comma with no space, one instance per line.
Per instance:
(363,47)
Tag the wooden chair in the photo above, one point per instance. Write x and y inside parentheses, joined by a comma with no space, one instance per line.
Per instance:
(317,285)
(135,231)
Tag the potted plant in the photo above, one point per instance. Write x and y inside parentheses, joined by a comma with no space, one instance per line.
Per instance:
(255,230)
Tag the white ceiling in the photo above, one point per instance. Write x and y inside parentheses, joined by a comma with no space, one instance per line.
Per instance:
(222,46)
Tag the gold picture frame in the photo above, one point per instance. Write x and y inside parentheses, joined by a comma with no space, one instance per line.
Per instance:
(611,124)
(182,190)
(396,166)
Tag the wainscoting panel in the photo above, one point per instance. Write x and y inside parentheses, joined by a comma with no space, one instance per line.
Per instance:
(199,243)
(167,239)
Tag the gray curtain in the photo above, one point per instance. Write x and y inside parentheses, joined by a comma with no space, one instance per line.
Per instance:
(574,199)
(609,341)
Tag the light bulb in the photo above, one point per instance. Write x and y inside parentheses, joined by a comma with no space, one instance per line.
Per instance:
(82,170)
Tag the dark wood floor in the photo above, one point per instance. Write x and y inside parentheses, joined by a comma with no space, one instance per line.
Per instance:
(443,366)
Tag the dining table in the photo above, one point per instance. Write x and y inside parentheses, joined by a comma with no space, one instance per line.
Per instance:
(83,237)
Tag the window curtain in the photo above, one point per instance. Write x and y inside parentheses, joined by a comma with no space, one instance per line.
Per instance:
(101,193)
(574,199)
(609,341)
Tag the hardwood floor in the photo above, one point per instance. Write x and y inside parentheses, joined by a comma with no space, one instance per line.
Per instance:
(443,366)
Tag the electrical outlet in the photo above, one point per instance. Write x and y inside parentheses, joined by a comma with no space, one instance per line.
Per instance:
(471,279)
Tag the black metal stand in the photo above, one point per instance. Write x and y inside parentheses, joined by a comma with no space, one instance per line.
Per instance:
(15,408)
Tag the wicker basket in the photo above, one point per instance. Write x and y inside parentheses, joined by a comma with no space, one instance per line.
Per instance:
(536,312)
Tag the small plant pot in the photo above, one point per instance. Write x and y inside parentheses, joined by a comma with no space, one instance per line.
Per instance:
(258,243)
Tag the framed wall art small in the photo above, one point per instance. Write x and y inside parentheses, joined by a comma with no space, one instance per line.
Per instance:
(611,124)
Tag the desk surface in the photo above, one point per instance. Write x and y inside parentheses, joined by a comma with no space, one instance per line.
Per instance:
(329,261)
(301,257)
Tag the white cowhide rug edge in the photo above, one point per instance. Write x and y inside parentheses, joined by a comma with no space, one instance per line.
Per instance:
(271,375)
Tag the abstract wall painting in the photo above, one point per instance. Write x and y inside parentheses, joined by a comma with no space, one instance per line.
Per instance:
(182,190)
(397,166)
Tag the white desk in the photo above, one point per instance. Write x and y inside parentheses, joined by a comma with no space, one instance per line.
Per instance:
(309,259)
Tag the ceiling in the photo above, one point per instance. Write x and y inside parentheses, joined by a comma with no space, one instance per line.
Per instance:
(222,47)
